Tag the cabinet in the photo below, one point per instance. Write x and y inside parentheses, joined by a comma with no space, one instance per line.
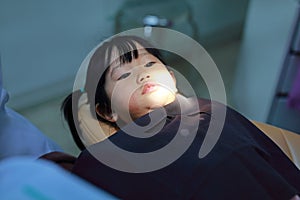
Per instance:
(267,63)
(281,114)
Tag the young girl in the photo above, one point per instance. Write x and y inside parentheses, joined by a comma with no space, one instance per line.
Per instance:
(127,83)
(124,82)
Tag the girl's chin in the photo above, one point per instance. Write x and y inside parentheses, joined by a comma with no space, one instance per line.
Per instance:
(142,104)
(157,100)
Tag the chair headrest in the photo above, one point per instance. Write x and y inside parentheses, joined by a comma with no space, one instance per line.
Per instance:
(92,130)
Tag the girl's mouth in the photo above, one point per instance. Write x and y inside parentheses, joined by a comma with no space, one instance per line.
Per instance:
(149,87)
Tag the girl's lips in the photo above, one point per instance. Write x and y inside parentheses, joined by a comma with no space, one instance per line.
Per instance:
(148,87)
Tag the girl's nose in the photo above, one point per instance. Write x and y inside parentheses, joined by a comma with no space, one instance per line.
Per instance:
(143,77)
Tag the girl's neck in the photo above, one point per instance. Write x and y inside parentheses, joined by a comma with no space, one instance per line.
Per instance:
(181,105)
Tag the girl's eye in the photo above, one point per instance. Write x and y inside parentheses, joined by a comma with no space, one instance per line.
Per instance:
(149,64)
(123,76)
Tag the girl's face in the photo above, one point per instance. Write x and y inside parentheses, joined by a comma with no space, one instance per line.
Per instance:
(138,87)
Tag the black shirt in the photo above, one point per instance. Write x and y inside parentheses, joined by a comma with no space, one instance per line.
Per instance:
(242,164)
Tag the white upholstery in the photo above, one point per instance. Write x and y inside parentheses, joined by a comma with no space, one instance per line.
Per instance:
(288,141)
(92,130)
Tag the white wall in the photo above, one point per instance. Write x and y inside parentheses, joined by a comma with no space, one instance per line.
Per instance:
(42,44)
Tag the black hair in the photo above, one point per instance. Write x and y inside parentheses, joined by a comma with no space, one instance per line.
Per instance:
(67,110)
(95,79)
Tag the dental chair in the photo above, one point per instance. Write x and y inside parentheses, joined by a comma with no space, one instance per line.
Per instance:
(288,142)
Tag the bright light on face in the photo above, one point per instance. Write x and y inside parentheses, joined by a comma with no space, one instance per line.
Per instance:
(138,87)
(159,95)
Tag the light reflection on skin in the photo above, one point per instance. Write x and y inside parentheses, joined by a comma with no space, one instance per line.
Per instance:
(127,86)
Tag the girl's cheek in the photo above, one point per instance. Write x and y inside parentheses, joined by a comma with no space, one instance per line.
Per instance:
(133,103)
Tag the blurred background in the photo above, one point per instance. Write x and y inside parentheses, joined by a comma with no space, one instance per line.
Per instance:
(254,43)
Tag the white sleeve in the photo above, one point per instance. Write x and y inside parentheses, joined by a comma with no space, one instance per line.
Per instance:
(18,136)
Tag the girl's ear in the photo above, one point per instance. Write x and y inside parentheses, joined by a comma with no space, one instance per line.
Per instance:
(113,117)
